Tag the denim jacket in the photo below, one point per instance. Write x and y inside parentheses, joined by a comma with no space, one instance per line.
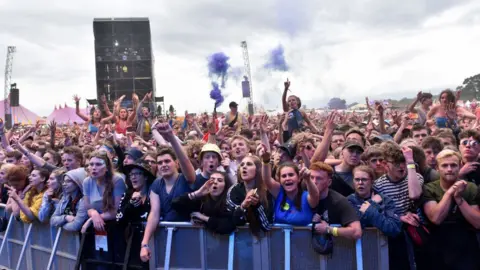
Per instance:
(379,215)
(58,218)
(46,209)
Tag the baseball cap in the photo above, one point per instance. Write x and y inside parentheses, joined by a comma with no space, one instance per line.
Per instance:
(233,104)
(352,144)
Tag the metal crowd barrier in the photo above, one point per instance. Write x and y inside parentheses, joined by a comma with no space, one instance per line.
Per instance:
(181,245)
(36,246)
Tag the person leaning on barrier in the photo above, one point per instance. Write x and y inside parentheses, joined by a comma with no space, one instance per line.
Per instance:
(102,191)
(70,213)
(250,197)
(451,206)
(135,203)
(292,204)
(374,209)
(30,205)
(207,205)
(170,186)
(52,195)
(332,207)
(17,179)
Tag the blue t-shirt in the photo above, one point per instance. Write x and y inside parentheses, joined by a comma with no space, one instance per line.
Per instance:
(199,181)
(180,187)
(295,121)
(94,192)
(289,214)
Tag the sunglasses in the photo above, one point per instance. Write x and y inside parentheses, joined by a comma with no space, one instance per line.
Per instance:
(472,143)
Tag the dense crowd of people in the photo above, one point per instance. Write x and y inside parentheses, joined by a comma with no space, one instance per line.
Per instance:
(411,173)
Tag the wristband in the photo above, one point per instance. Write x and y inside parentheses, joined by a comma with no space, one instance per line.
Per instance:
(335,231)
(146,246)
(411,166)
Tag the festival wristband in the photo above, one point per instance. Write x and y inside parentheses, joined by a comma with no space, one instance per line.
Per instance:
(411,166)
(335,231)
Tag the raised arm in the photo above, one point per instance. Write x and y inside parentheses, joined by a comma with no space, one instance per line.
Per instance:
(414,182)
(322,149)
(77,109)
(186,166)
(411,108)
(313,194)
(284,96)
(273,186)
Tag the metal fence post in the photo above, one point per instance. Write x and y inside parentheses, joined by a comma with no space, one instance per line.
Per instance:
(5,235)
(231,249)
(168,248)
(359,253)
(24,247)
(203,260)
(54,249)
(286,233)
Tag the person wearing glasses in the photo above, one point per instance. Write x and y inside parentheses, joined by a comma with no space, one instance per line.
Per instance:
(470,148)
(403,185)
(373,209)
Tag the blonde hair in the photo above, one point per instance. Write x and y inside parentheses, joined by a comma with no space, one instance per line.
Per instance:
(446,154)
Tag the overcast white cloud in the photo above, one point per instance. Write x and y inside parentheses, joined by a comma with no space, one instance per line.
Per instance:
(339,48)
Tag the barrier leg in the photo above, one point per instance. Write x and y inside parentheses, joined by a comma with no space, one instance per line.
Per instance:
(231,249)
(203,260)
(286,233)
(24,247)
(78,263)
(127,251)
(168,249)
(359,253)
(54,249)
(5,235)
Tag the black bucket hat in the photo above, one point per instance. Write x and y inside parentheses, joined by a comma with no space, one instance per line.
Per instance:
(144,167)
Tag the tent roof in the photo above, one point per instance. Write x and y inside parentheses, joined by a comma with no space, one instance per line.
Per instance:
(64,115)
(20,114)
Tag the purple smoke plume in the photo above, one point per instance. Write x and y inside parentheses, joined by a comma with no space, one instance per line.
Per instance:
(276,60)
(218,66)
(216,94)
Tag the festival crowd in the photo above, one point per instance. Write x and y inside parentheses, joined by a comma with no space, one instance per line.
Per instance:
(413,174)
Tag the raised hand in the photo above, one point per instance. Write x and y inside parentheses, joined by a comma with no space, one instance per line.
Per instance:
(287,84)
(165,130)
(76,98)
(408,154)
(52,126)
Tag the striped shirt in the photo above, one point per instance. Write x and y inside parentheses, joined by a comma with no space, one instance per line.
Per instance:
(397,191)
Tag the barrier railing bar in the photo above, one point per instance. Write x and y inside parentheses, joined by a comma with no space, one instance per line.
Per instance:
(286,233)
(359,253)
(231,249)
(54,249)
(168,248)
(5,235)
(24,247)
(66,255)
(202,248)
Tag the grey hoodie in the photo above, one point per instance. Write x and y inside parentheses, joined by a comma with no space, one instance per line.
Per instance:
(58,218)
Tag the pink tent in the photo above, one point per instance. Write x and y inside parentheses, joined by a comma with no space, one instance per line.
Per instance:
(20,114)
(65,115)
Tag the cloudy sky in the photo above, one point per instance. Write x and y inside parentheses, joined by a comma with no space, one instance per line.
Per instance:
(350,49)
